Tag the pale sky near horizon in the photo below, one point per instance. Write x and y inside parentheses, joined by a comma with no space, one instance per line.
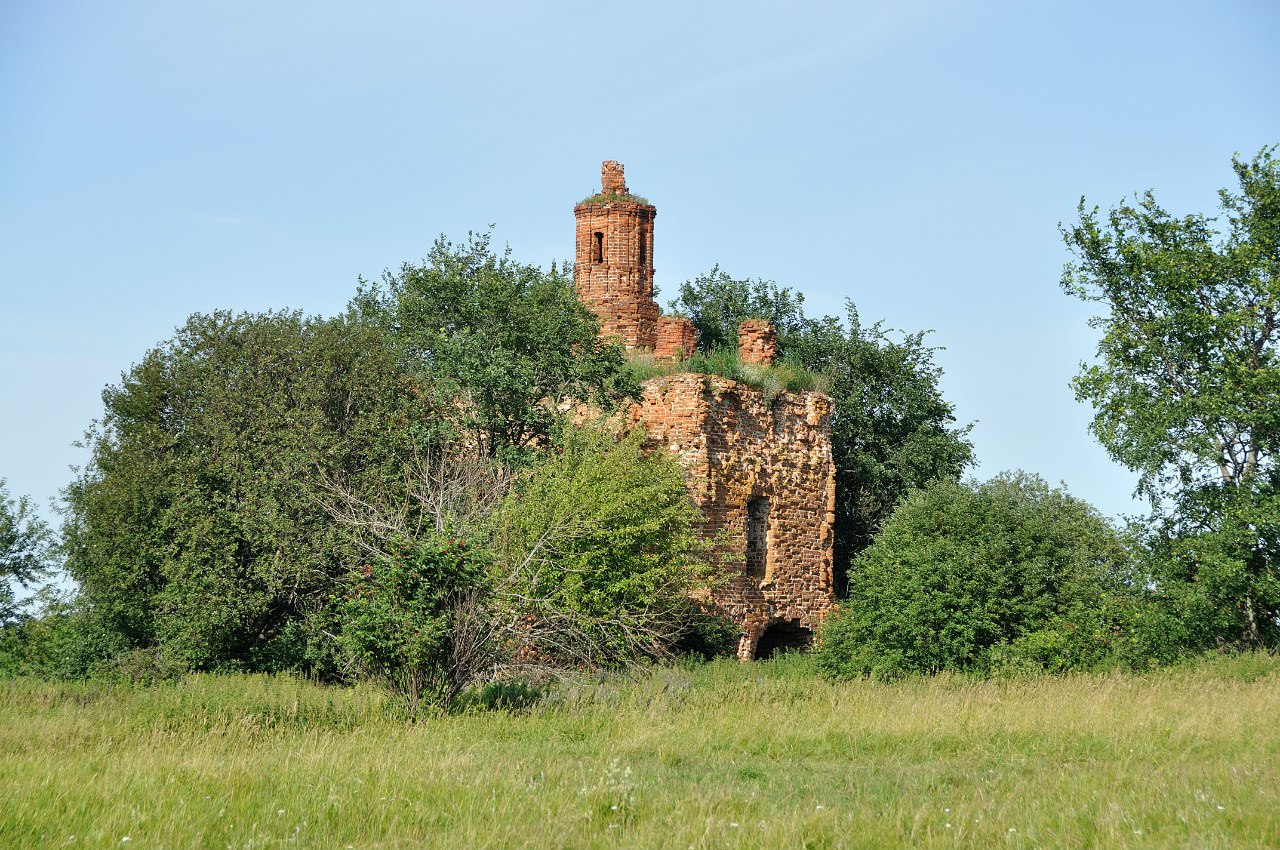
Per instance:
(162,158)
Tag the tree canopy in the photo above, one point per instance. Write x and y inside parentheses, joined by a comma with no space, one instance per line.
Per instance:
(1186,385)
(193,531)
(506,345)
(965,573)
(24,549)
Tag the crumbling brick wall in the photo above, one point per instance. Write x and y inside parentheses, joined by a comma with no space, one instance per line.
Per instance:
(743,454)
(757,342)
(760,470)
(677,338)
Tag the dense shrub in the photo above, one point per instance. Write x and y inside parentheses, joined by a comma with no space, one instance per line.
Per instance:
(400,617)
(598,551)
(975,576)
(194,531)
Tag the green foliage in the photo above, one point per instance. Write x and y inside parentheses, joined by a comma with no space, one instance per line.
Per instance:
(398,617)
(969,577)
(891,430)
(598,551)
(718,303)
(195,532)
(786,375)
(707,634)
(501,695)
(24,550)
(502,346)
(1186,387)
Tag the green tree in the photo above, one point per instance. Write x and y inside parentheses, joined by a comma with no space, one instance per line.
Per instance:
(1186,387)
(598,552)
(400,617)
(194,530)
(504,346)
(892,431)
(717,302)
(965,574)
(24,550)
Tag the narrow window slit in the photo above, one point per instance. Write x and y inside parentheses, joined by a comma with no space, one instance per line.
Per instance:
(757,536)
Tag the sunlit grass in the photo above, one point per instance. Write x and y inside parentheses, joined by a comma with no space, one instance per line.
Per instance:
(761,755)
(783,376)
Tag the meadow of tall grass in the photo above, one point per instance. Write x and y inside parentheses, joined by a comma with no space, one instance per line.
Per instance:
(717,755)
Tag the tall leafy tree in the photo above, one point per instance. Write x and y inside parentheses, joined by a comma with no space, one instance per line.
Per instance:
(1186,386)
(24,549)
(506,347)
(716,302)
(194,530)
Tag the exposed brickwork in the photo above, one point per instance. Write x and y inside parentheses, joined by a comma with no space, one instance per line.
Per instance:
(613,262)
(757,342)
(677,338)
(612,180)
(761,472)
(739,449)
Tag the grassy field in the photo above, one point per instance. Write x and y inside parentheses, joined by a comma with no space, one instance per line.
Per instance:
(723,755)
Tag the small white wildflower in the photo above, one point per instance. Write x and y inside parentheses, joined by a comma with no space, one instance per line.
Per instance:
(1222,808)
(948,826)
(614,807)
(1011,829)
(733,826)
(819,807)
(1137,832)
(126,838)
(948,811)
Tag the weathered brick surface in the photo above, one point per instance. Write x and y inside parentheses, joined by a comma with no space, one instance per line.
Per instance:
(613,263)
(737,448)
(760,471)
(757,342)
(676,339)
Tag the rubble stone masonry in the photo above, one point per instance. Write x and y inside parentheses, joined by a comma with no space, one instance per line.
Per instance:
(745,456)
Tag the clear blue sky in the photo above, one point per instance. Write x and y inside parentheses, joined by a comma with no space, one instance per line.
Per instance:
(161,158)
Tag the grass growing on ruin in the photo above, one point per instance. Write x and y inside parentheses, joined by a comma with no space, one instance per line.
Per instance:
(760,755)
(614,198)
(783,376)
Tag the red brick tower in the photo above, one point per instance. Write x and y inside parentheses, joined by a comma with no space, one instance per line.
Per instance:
(613,261)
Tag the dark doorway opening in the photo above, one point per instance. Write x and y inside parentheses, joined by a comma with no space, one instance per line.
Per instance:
(783,636)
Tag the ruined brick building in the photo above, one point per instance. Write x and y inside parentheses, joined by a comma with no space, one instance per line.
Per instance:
(760,470)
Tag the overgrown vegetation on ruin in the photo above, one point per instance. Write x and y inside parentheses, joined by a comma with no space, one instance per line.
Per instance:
(614,198)
(787,375)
